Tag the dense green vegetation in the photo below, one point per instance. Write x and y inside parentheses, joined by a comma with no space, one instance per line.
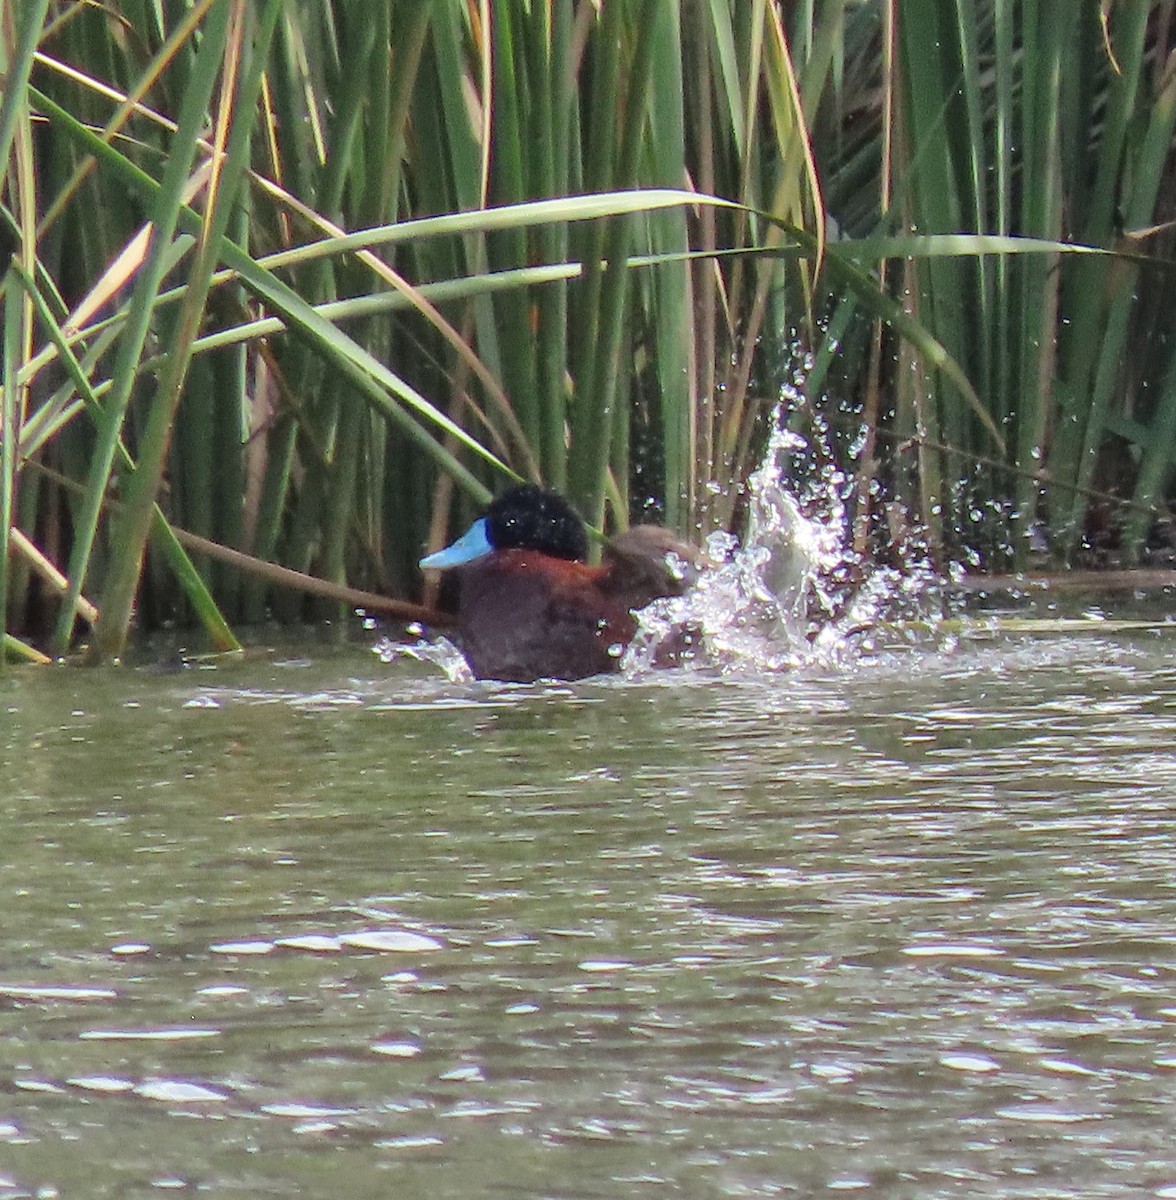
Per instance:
(294,286)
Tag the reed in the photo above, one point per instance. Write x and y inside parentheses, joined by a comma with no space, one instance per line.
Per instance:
(305,283)
(1052,122)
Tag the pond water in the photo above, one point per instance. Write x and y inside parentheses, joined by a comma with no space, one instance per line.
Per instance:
(308,924)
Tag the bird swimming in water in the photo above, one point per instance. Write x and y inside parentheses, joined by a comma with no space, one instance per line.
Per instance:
(530,607)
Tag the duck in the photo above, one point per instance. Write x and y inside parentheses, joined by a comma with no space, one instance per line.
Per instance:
(531,607)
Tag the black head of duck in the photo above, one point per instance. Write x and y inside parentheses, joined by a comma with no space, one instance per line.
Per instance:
(530,607)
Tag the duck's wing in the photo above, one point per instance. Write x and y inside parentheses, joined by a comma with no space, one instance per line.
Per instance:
(649,561)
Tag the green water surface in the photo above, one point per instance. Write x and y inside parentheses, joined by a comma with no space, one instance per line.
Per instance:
(311,925)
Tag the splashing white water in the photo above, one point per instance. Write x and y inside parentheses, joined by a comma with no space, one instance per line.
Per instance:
(440,651)
(792,595)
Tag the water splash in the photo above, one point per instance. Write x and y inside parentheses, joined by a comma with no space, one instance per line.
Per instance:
(440,652)
(794,593)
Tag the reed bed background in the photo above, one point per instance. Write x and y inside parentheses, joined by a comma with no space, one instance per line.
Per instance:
(294,286)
